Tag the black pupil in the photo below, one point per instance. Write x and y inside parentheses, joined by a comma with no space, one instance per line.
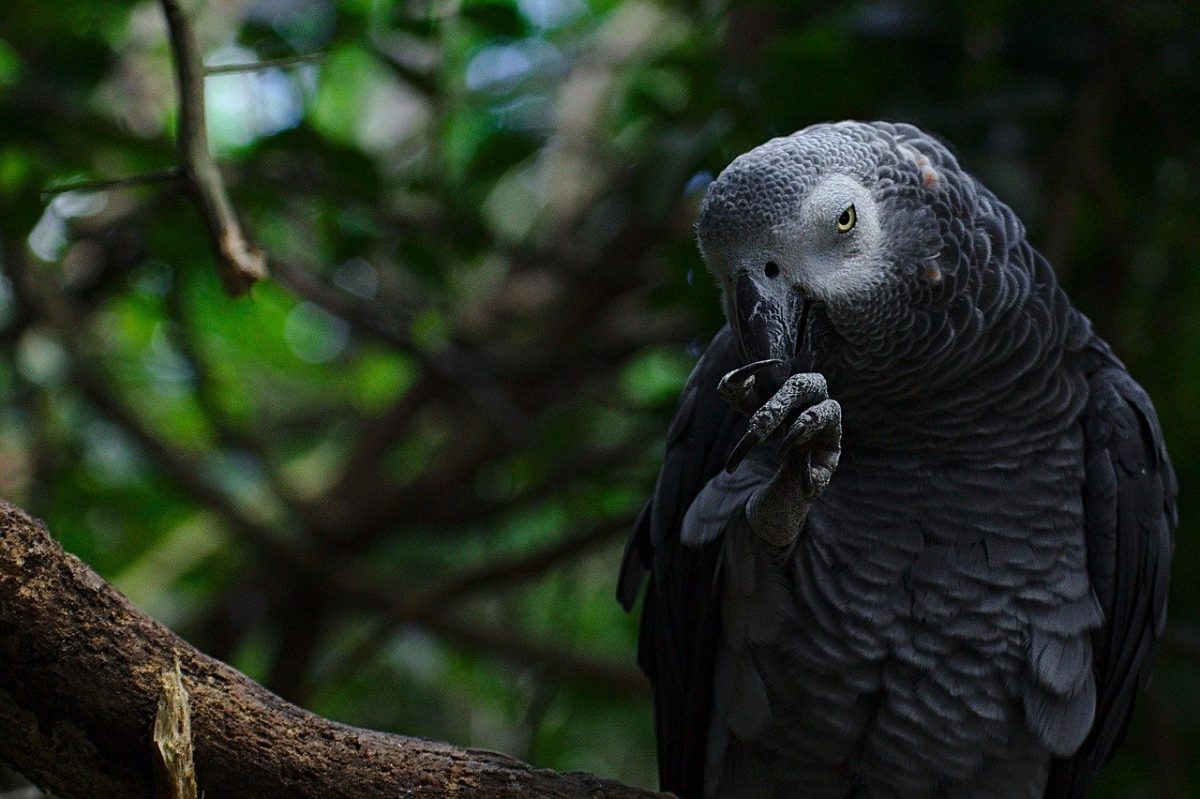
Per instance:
(771,269)
(844,219)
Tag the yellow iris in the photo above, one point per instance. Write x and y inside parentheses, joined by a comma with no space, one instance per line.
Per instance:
(847,219)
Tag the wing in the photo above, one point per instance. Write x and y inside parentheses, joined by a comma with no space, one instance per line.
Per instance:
(678,638)
(1129,522)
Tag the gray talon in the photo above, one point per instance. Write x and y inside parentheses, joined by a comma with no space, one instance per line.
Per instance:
(737,387)
(740,451)
(749,370)
(812,422)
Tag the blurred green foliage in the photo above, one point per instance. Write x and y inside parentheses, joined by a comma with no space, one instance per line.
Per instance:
(486,300)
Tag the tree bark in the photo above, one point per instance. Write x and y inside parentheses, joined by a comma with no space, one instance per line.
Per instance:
(80,681)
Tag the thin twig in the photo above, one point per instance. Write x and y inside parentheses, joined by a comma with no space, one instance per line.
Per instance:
(423,604)
(449,363)
(167,175)
(268,63)
(503,642)
(240,262)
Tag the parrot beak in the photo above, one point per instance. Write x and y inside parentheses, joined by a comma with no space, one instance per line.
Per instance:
(767,327)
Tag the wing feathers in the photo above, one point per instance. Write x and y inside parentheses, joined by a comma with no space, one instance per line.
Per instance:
(678,636)
(1129,519)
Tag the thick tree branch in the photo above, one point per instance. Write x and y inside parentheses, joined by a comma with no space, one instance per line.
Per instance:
(81,685)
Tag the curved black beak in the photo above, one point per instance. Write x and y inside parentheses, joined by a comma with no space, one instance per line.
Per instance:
(767,327)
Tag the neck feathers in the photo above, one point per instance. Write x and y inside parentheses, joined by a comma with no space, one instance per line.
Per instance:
(985,348)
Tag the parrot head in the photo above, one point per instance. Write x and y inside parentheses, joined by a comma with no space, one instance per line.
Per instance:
(824,239)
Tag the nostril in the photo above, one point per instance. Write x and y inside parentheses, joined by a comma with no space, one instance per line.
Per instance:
(771,269)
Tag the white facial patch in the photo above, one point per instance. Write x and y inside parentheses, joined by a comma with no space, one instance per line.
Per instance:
(834,265)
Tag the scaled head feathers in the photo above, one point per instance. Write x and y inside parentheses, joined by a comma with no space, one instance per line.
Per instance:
(867,225)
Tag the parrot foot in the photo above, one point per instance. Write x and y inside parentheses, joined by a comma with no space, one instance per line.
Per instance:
(815,441)
(797,392)
(809,453)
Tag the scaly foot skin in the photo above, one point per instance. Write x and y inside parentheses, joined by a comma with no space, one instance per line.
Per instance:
(809,451)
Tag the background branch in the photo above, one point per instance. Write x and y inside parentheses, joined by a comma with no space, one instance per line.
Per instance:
(266,63)
(158,176)
(241,264)
(430,604)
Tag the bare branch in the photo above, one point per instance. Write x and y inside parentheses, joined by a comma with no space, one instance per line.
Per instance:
(81,682)
(168,175)
(269,63)
(449,364)
(523,651)
(424,603)
(240,262)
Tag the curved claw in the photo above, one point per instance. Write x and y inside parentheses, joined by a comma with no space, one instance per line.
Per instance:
(749,370)
(737,387)
(740,451)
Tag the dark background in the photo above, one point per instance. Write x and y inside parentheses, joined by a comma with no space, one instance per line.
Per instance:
(392,483)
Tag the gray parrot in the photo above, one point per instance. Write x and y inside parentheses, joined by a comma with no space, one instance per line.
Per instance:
(913,530)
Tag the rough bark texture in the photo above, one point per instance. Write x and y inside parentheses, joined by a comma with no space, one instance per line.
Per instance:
(80,672)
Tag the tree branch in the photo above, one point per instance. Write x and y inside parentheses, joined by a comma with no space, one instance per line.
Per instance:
(168,175)
(523,651)
(423,604)
(449,364)
(241,263)
(82,681)
(267,63)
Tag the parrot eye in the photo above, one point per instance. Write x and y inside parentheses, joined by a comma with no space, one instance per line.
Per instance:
(771,270)
(846,221)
